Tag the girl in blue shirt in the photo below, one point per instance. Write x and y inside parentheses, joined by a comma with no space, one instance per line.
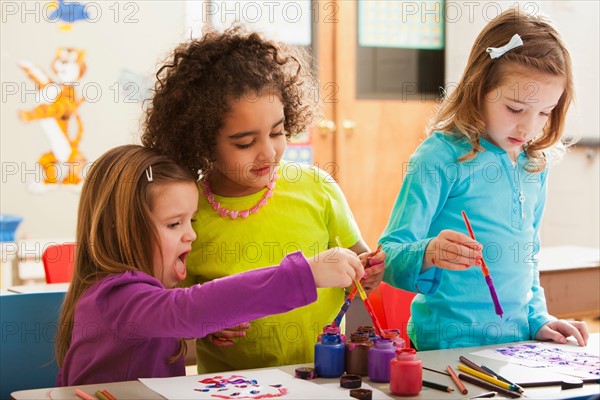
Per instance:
(487,155)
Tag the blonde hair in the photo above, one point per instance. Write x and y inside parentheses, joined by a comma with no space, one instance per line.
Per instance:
(115,232)
(543,51)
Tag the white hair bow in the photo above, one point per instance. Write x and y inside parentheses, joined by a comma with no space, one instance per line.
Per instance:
(496,52)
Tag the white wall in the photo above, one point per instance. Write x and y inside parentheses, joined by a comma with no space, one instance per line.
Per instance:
(120,37)
(571,215)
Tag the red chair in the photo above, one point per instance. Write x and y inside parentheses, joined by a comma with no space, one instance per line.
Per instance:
(58,262)
(392,307)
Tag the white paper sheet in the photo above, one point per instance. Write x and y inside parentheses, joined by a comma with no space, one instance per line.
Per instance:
(186,387)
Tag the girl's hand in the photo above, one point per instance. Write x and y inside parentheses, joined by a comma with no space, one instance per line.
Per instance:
(223,337)
(558,331)
(374,272)
(452,250)
(336,267)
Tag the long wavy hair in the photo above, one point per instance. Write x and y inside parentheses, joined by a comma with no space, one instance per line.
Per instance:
(199,81)
(543,51)
(115,232)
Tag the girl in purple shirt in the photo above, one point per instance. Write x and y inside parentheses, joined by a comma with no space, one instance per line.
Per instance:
(119,321)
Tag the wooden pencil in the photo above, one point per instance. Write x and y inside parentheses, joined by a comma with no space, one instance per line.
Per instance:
(83,395)
(471,364)
(437,386)
(488,386)
(456,380)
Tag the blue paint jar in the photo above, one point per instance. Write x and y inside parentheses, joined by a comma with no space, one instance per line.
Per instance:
(329,356)
(380,357)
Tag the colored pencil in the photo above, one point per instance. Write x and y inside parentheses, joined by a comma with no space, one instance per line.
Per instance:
(83,395)
(518,388)
(476,367)
(486,271)
(100,395)
(436,371)
(457,381)
(437,386)
(484,395)
(108,394)
(489,386)
(485,377)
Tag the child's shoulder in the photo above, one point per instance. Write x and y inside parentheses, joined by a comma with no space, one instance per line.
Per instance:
(441,145)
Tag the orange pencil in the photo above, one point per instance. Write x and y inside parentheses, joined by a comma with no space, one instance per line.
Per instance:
(456,380)
(83,395)
(108,394)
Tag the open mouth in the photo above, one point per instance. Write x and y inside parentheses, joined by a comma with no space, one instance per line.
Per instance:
(180,269)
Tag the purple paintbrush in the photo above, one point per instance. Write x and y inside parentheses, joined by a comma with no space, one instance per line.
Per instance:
(486,271)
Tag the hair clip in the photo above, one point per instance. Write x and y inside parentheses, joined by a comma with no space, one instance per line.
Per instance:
(149,173)
(514,42)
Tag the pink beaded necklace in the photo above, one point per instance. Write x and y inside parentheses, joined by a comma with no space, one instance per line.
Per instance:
(233,214)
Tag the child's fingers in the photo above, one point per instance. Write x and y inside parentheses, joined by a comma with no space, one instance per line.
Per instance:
(378,258)
(219,341)
(446,264)
(457,253)
(355,267)
(461,238)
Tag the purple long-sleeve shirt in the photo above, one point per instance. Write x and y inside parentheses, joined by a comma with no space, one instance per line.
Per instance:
(127,325)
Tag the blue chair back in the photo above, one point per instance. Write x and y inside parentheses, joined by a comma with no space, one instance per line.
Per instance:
(29,323)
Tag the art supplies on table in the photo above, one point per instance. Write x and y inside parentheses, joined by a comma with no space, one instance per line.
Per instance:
(330,356)
(488,378)
(380,357)
(406,373)
(488,386)
(456,380)
(437,386)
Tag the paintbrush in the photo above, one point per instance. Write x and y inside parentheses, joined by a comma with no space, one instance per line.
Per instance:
(338,319)
(486,271)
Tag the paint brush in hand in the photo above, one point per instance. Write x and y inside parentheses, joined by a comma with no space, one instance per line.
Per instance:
(486,271)
(338,319)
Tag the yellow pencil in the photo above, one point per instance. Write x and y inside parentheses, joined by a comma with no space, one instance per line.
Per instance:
(486,378)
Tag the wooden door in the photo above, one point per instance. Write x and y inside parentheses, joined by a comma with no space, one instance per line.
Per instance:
(372,139)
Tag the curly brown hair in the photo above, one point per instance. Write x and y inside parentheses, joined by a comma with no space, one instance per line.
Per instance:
(201,78)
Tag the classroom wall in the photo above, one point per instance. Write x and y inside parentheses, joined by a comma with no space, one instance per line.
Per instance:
(123,41)
(571,215)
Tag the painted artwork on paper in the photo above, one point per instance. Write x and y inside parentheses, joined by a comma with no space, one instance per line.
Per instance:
(259,384)
(563,359)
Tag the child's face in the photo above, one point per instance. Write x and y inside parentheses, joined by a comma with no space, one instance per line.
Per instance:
(174,205)
(249,145)
(517,110)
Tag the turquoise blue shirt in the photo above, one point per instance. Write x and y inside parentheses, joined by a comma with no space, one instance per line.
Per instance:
(504,203)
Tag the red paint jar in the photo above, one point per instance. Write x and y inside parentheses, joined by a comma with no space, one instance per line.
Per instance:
(406,373)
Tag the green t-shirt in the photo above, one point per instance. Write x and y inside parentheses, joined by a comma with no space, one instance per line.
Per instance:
(307,212)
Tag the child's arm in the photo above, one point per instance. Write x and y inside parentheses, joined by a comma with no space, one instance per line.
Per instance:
(330,268)
(428,181)
(139,302)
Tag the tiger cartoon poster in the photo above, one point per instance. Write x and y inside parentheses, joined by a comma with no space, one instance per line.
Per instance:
(58,117)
